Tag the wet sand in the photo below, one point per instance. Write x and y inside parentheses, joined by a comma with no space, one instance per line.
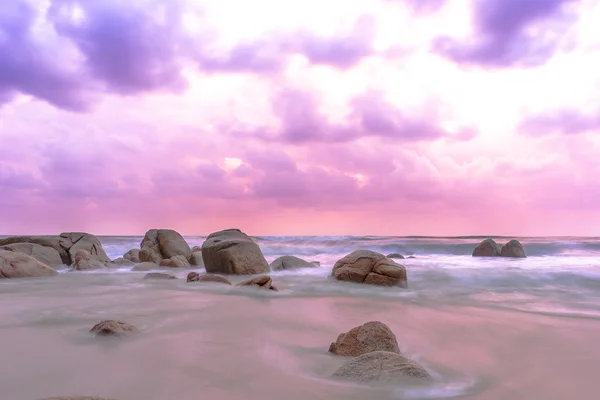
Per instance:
(213,342)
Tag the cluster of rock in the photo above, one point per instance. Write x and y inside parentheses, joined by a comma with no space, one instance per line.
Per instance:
(489,248)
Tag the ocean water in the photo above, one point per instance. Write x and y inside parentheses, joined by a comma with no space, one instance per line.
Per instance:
(486,328)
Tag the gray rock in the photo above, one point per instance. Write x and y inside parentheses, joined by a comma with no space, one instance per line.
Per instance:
(371,336)
(233,252)
(513,249)
(487,248)
(19,265)
(370,267)
(289,263)
(383,367)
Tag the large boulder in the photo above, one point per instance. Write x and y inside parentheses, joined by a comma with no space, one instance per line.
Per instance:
(112,328)
(366,266)
(160,244)
(383,367)
(19,265)
(289,262)
(262,282)
(52,242)
(371,336)
(233,252)
(514,249)
(75,241)
(46,255)
(487,248)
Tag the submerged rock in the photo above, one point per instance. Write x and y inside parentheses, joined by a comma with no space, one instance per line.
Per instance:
(395,255)
(195,277)
(19,265)
(383,367)
(370,267)
(371,336)
(159,275)
(159,244)
(487,248)
(513,249)
(289,263)
(112,328)
(263,282)
(233,252)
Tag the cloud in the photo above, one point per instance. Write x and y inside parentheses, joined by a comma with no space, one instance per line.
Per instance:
(567,122)
(510,32)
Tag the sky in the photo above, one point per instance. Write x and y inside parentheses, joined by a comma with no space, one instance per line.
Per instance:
(312,117)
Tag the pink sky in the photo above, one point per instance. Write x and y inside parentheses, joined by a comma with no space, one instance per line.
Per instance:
(391,117)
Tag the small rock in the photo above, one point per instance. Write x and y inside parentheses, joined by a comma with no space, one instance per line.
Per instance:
(411,257)
(371,336)
(112,328)
(513,249)
(263,282)
(382,367)
(395,255)
(487,248)
(195,277)
(159,275)
(289,263)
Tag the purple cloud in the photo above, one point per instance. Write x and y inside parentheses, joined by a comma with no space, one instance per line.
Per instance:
(502,37)
(568,122)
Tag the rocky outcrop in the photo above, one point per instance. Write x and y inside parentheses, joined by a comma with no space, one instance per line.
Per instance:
(395,255)
(160,244)
(382,367)
(233,252)
(487,248)
(75,241)
(132,255)
(19,265)
(45,255)
(52,242)
(513,249)
(195,277)
(365,266)
(263,282)
(289,263)
(159,275)
(112,328)
(371,336)
(145,266)
(83,261)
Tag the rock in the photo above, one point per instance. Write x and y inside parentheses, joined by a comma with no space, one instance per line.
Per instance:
(395,255)
(383,367)
(514,249)
(371,336)
(195,277)
(145,266)
(197,249)
(196,259)
(159,244)
(288,263)
(263,282)
(178,262)
(52,242)
(365,266)
(233,252)
(411,257)
(83,261)
(159,275)
(75,241)
(112,328)
(165,263)
(76,398)
(487,248)
(20,265)
(132,255)
(121,262)
(46,255)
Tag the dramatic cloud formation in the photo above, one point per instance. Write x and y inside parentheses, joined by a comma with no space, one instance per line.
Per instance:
(300,118)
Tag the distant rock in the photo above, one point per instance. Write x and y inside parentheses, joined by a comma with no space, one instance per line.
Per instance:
(146,266)
(19,265)
(395,255)
(513,249)
(411,257)
(383,367)
(289,263)
(263,282)
(316,263)
(371,336)
(159,275)
(132,255)
(83,261)
(370,267)
(112,328)
(233,252)
(45,255)
(195,277)
(160,244)
(487,248)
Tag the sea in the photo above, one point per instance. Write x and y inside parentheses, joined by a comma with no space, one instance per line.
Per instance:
(485,328)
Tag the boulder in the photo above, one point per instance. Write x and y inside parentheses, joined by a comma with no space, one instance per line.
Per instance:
(383,367)
(513,249)
(195,277)
(288,263)
(196,259)
(122,262)
(112,328)
(263,282)
(487,248)
(19,265)
(197,249)
(159,275)
(366,266)
(132,255)
(145,266)
(178,262)
(371,336)
(159,244)
(52,242)
(233,252)
(75,241)
(395,255)
(83,261)
(46,255)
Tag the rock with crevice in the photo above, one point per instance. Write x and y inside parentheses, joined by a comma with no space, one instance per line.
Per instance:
(370,267)
(18,265)
(383,367)
(75,241)
(487,248)
(262,282)
(196,277)
(232,252)
(285,263)
(371,336)
(513,249)
(113,328)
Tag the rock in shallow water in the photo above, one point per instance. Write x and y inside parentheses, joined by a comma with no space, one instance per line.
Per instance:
(263,282)
(370,267)
(366,338)
(513,249)
(233,252)
(19,265)
(159,244)
(395,255)
(112,328)
(285,263)
(195,277)
(487,248)
(159,275)
(383,367)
